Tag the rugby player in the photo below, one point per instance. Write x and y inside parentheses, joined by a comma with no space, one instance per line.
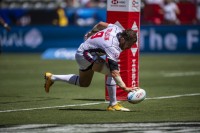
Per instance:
(103,39)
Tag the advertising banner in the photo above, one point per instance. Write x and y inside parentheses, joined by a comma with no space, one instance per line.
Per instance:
(40,38)
(170,39)
(153,39)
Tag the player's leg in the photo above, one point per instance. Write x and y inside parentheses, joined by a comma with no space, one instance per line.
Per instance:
(68,78)
(83,79)
(111,87)
(51,78)
(102,67)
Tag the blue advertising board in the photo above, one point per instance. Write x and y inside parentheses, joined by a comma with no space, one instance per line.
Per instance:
(156,39)
(40,38)
(170,39)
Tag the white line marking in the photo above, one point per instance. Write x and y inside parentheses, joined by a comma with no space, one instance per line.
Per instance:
(175,96)
(88,104)
(164,127)
(180,74)
(30,109)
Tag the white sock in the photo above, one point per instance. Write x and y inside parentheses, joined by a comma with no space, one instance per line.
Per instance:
(70,78)
(111,87)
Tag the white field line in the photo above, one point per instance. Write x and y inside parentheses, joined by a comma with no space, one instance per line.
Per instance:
(164,127)
(51,107)
(180,74)
(175,96)
(88,104)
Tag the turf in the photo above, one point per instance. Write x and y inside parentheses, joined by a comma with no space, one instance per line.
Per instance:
(21,87)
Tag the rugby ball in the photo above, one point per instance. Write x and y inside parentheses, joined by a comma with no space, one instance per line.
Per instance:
(136,96)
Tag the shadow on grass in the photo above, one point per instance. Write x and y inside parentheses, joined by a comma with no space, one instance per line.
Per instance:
(86,99)
(71,109)
(28,101)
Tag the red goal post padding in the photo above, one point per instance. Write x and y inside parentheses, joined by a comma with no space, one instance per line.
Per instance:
(126,14)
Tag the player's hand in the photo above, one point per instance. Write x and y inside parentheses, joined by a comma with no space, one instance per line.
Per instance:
(88,35)
(7,27)
(136,88)
(129,89)
(4,24)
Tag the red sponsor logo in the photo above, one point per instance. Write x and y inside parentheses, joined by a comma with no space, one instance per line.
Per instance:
(135,3)
(139,95)
(114,1)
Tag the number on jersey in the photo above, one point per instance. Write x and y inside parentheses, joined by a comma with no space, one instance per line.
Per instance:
(100,34)
(97,35)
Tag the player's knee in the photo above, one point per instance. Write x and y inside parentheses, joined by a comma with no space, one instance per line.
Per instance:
(85,78)
(85,84)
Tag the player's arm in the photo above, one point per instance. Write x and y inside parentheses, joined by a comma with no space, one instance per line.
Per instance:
(98,27)
(116,75)
(4,24)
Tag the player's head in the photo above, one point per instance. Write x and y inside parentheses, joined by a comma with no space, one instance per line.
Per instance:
(127,39)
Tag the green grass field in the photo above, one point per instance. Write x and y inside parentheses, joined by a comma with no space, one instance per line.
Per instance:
(21,87)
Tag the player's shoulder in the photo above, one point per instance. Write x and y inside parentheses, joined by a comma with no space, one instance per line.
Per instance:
(114,26)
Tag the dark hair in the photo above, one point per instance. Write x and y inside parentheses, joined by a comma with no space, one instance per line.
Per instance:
(129,35)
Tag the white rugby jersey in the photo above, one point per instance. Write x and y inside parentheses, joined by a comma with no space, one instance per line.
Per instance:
(104,42)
